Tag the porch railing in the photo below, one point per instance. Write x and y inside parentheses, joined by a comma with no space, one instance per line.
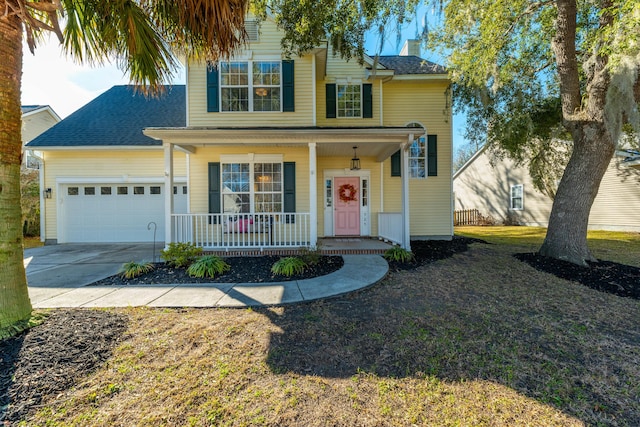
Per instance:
(390,226)
(233,231)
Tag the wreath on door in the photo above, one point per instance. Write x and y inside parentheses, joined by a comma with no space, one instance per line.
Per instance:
(347,193)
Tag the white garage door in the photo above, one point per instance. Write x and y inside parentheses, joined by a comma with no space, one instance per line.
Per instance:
(114,212)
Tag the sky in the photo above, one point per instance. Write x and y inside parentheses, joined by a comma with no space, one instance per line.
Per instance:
(50,78)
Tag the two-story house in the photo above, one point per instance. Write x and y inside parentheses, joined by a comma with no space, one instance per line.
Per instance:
(260,151)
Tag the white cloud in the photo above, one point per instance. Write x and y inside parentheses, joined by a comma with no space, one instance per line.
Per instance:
(50,78)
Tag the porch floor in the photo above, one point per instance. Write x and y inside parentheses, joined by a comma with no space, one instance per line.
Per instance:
(352,245)
(355,245)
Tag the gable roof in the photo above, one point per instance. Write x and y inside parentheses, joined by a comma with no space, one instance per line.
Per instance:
(117,118)
(30,108)
(402,64)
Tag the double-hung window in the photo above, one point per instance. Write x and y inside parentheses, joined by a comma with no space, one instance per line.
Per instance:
(417,158)
(251,187)
(349,99)
(517,197)
(251,86)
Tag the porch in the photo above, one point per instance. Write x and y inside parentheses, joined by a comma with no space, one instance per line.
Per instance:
(280,233)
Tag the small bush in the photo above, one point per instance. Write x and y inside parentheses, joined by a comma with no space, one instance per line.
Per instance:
(289,266)
(207,266)
(180,255)
(312,255)
(398,254)
(133,269)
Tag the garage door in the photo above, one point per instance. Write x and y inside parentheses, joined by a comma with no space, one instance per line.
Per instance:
(114,212)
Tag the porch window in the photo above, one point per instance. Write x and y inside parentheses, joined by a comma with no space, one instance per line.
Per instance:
(251,187)
(517,197)
(417,159)
(250,86)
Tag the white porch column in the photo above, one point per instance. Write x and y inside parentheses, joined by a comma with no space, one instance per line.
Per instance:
(313,195)
(404,171)
(168,192)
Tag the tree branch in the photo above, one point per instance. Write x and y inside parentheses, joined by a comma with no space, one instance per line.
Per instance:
(564,48)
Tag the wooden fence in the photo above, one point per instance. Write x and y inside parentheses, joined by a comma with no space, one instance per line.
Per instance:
(468,217)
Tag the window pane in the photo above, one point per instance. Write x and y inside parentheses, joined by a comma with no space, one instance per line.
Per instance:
(123,190)
(105,191)
(266,99)
(89,191)
(235,99)
(236,203)
(138,190)
(417,159)
(154,189)
(72,191)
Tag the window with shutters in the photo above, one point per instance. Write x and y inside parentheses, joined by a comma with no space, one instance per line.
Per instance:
(417,158)
(250,86)
(251,187)
(349,100)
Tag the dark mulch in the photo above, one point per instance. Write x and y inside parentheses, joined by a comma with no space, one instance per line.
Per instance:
(605,276)
(50,358)
(426,251)
(243,270)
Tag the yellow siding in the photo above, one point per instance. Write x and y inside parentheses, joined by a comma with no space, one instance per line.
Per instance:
(267,48)
(95,164)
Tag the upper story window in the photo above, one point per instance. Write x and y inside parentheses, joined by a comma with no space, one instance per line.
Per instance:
(250,86)
(349,98)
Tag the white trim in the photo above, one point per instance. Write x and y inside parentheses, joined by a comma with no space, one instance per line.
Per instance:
(444,77)
(381,186)
(404,171)
(186,74)
(313,195)
(168,192)
(188,166)
(43,201)
(511,198)
(249,60)
(314,90)
(251,157)
(381,106)
(40,109)
(124,179)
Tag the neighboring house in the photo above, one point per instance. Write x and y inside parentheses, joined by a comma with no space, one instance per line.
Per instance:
(35,120)
(262,151)
(504,192)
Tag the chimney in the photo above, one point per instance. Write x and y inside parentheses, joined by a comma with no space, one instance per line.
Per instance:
(411,48)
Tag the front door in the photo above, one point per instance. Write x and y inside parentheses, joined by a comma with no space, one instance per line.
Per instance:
(347,206)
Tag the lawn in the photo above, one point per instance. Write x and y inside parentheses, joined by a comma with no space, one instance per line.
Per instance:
(476,339)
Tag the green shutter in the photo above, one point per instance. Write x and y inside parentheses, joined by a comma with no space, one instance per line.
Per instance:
(289,196)
(213,90)
(288,94)
(432,155)
(396,169)
(367,101)
(331,100)
(214,188)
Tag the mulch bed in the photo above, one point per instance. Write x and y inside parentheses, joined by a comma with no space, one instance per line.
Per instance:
(50,358)
(426,251)
(243,270)
(605,276)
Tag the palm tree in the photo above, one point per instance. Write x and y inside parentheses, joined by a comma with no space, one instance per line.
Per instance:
(141,36)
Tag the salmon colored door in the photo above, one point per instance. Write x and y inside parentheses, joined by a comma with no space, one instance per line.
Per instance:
(347,206)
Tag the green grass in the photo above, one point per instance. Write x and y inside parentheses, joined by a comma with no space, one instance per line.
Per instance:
(607,245)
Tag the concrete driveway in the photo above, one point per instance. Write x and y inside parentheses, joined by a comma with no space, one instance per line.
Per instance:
(74,265)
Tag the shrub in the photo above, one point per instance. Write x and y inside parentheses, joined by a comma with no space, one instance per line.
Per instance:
(288,266)
(180,255)
(208,266)
(398,254)
(133,269)
(312,255)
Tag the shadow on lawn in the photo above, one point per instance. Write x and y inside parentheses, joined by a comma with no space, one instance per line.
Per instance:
(402,330)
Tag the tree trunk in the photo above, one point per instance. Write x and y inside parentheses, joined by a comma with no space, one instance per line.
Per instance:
(566,237)
(14,296)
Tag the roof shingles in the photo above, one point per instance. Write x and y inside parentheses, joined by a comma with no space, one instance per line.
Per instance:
(117,118)
(410,65)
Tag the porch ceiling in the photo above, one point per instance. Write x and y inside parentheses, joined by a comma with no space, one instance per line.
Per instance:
(330,142)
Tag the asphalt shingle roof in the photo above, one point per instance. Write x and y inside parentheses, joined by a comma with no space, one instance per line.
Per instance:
(410,65)
(29,108)
(117,118)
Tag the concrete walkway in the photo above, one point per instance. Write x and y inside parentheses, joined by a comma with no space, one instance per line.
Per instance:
(71,267)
